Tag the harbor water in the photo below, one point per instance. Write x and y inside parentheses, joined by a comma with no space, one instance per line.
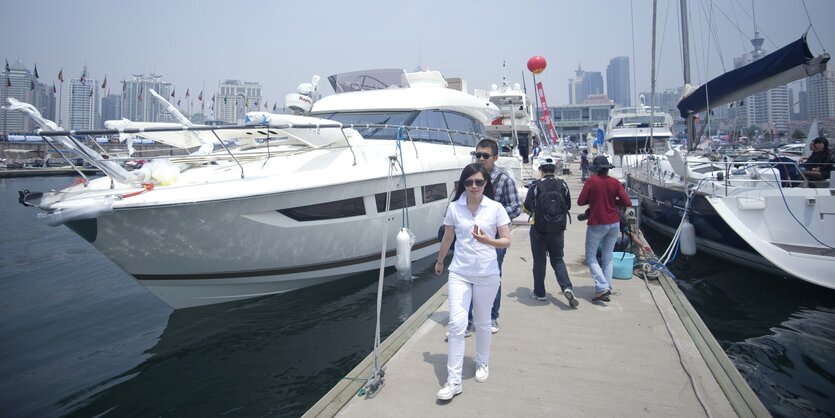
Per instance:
(778,332)
(82,338)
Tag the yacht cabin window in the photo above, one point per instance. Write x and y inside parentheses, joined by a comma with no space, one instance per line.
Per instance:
(330,210)
(434,192)
(399,199)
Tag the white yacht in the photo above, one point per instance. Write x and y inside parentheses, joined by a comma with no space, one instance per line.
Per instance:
(634,132)
(306,202)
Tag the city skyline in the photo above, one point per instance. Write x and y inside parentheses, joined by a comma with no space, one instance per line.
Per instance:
(462,41)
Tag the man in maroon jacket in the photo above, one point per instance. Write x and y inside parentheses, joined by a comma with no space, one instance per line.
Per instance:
(604,195)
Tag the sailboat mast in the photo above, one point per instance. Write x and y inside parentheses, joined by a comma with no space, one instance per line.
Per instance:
(690,121)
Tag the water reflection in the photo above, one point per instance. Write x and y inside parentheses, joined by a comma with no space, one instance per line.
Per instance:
(271,356)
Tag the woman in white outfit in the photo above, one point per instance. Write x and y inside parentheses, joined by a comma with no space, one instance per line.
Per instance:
(474,220)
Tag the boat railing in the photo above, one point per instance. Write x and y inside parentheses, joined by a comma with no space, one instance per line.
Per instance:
(267,133)
(725,176)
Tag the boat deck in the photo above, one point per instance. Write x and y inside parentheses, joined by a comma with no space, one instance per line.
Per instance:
(645,353)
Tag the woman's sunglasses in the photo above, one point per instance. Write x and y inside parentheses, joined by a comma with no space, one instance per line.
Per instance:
(471,182)
(482,155)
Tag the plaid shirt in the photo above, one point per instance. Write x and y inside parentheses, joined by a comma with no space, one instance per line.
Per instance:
(504,192)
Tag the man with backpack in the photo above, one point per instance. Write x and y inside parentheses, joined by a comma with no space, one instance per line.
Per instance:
(548,200)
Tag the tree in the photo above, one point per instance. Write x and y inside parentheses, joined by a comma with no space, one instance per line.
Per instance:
(797,134)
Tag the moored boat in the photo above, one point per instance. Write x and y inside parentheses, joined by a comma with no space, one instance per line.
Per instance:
(755,210)
(306,202)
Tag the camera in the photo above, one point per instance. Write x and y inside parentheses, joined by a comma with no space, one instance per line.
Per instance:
(583,216)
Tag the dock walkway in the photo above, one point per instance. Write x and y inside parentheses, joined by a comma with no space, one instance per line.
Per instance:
(645,353)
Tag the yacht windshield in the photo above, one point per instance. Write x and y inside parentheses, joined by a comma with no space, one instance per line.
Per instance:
(639,145)
(394,119)
(435,126)
(641,121)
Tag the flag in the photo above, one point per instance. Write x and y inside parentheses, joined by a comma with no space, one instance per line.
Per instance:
(186,92)
(124,86)
(36,71)
(178,102)
(91,92)
(200,97)
(8,82)
(31,84)
(265,104)
(53,88)
(273,107)
(172,93)
(140,92)
(224,100)
(104,83)
(61,75)
(213,97)
(7,66)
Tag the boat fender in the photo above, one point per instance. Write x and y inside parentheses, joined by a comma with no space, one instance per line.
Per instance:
(405,240)
(62,216)
(687,238)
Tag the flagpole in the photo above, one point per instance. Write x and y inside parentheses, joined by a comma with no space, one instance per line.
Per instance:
(5,111)
(61,99)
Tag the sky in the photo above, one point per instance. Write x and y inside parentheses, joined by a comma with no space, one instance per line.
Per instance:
(195,44)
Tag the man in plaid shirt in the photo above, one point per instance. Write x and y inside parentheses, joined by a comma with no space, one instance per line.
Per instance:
(505,192)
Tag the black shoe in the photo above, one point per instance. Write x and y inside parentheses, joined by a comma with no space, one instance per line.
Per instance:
(602,297)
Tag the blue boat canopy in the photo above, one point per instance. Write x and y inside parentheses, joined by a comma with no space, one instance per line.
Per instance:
(792,62)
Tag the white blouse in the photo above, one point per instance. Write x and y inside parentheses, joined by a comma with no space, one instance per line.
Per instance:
(472,258)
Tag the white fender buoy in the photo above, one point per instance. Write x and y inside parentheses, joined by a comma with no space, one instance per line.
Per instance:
(405,240)
(687,238)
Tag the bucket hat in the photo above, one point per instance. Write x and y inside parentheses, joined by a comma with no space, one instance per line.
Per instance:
(600,162)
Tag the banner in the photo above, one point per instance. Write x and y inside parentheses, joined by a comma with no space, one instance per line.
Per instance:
(552,134)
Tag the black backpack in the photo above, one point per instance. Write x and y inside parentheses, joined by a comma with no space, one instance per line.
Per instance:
(551,205)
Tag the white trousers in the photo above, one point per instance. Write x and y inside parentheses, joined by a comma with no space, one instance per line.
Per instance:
(481,290)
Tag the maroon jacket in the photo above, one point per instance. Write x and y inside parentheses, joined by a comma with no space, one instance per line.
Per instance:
(604,194)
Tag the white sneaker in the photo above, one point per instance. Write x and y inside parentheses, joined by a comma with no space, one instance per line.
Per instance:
(449,390)
(494,326)
(534,296)
(572,301)
(481,373)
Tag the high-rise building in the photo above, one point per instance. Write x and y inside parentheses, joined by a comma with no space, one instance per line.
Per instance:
(111,107)
(138,105)
(768,109)
(592,85)
(235,98)
(583,84)
(803,98)
(18,83)
(44,100)
(82,103)
(617,81)
(575,86)
(821,91)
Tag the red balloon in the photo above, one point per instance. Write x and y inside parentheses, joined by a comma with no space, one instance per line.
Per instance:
(537,64)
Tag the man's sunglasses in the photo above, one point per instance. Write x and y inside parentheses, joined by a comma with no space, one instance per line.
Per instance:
(471,182)
(482,155)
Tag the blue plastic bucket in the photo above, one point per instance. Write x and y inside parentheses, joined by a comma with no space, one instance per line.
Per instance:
(622,264)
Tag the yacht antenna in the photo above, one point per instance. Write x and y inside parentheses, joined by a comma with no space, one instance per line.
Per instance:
(504,72)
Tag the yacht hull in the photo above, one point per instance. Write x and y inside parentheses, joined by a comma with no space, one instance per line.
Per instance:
(214,251)
(758,228)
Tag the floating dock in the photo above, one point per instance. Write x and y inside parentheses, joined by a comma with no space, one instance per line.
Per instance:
(645,353)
